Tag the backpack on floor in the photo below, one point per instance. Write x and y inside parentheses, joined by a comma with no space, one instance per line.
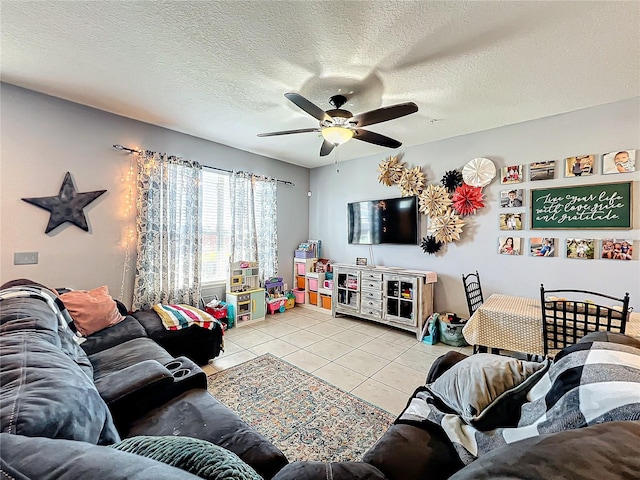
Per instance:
(430,333)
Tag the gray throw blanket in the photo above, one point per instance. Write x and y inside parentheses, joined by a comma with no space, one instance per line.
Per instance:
(588,384)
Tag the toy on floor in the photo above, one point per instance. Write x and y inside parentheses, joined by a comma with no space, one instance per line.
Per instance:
(276,299)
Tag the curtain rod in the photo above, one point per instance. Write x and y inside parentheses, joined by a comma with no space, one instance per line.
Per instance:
(135,150)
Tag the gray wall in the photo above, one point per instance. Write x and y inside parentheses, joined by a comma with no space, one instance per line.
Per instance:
(595,130)
(44,137)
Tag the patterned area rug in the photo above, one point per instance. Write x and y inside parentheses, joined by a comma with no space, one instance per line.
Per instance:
(304,416)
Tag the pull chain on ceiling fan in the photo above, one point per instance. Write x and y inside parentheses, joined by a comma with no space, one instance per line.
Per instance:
(338,126)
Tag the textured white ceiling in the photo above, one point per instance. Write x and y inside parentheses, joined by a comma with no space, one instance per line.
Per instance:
(219,69)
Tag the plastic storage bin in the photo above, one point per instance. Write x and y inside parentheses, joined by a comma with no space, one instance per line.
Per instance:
(300,268)
(326,301)
(313,298)
(299,294)
(300,282)
(303,254)
(313,284)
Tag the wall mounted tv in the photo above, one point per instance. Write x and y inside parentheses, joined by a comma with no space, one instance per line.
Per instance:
(393,220)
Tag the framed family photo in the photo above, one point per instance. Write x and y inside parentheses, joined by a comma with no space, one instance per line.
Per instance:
(510,221)
(512,198)
(511,174)
(543,247)
(509,245)
(542,170)
(583,248)
(622,161)
(617,249)
(579,166)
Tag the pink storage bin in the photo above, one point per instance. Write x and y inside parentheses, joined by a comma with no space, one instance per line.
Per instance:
(313,284)
(299,294)
(301,268)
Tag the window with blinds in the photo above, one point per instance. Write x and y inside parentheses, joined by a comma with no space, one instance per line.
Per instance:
(216,226)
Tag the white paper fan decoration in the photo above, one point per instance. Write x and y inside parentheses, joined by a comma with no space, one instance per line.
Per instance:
(479,172)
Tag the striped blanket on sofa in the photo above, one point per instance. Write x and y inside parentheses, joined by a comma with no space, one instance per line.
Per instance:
(177,317)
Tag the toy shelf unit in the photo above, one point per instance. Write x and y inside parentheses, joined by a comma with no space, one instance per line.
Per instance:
(300,268)
(317,294)
(276,299)
(396,297)
(310,284)
(245,298)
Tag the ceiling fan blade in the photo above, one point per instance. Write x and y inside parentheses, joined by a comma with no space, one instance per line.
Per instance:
(376,138)
(326,148)
(383,114)
(307,106)
(287,132)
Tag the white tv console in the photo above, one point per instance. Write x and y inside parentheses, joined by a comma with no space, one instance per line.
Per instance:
(394,296)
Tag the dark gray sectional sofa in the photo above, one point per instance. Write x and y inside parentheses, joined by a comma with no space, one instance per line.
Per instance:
(61,403)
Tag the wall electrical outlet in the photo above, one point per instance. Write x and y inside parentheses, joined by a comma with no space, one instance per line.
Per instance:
(25,258)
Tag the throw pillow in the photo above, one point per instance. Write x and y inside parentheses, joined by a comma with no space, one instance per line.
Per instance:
(199,457)
(486,390)
(91,310)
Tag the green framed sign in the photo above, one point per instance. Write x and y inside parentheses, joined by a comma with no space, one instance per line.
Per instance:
(598,206)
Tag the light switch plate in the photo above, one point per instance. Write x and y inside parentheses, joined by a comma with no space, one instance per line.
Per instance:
(25,258)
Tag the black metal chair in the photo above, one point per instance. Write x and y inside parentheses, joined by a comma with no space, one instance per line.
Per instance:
(473,292)
(566,320)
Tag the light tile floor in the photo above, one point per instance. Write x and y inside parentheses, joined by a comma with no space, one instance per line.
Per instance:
(379,364)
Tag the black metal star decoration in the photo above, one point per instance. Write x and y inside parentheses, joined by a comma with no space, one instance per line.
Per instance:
(67,206)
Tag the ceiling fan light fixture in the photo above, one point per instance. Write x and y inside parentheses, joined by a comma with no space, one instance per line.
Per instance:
(337,135)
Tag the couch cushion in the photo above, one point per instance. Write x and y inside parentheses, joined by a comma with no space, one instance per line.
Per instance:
(121,332)
(44,459)
(406,452)
(91,310)
(38,309)
(475,387)
(329,470)
(606,451)
(197,414)
(44,393)
(127,354)
(611,337)
(196,456)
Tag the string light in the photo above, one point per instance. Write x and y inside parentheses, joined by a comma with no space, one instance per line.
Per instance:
(129,232)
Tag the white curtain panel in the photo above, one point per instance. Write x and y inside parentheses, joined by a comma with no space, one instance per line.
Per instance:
(169,204)
(254,235)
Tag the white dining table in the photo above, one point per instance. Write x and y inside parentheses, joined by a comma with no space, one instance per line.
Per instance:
(513,323)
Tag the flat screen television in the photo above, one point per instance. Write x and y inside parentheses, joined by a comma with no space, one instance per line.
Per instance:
(392,220)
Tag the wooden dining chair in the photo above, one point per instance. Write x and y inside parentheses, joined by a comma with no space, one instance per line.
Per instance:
(568,315)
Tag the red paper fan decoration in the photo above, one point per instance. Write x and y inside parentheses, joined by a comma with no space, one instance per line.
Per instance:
(467,199)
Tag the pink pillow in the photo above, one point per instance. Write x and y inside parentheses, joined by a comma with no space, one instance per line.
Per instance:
(91,310)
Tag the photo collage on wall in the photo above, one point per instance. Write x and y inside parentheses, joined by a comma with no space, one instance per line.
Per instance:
(514,203)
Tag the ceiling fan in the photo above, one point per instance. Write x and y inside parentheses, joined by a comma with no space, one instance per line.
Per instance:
(338,126)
